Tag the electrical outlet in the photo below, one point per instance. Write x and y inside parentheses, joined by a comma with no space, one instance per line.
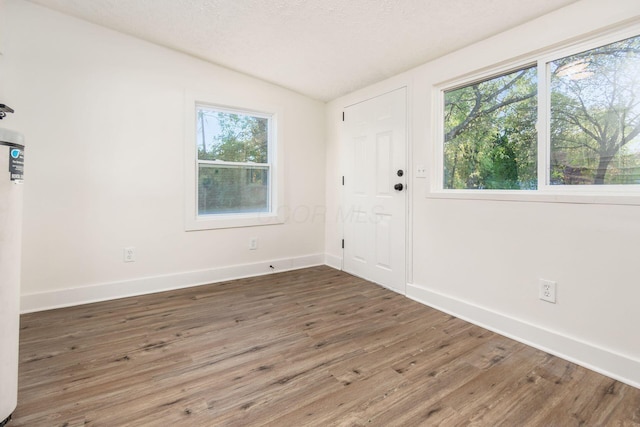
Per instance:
(129,254)
(253,243)
(547,290)
(421,171)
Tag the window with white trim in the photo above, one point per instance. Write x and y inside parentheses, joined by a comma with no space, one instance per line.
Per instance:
(231,163)
(570,120)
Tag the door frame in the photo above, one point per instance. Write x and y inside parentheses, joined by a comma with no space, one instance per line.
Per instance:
(409,172)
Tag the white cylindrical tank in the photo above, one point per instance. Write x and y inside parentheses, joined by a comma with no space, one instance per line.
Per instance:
(11,168)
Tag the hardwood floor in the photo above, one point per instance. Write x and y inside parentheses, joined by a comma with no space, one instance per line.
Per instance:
(313,347)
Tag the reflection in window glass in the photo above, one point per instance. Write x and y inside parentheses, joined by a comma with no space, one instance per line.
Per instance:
(595,116)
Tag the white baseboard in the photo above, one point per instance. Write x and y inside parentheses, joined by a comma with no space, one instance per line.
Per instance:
(147,285)
(617,366)
(333,261)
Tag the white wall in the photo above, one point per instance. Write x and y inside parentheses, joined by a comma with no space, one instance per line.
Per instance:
(481,259)
(103,116)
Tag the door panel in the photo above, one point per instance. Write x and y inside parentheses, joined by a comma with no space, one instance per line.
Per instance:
(384,163)
(375,220)
(383,241)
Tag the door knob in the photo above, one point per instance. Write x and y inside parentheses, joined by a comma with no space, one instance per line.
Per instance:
(398,187)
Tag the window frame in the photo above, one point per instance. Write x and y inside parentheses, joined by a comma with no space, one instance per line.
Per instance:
(194,221)
(546,192)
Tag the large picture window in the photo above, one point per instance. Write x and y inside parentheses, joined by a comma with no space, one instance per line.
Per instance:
(233,161)
(586,104)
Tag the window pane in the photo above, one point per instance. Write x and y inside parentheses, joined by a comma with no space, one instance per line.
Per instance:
(235,189)
(489,133)
(595,116)
(231,137)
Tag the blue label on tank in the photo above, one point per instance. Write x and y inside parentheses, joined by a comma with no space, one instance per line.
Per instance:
(16,164)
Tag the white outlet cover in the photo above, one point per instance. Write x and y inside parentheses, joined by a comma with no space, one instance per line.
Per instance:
(253,243)
(547,290)
(129,254)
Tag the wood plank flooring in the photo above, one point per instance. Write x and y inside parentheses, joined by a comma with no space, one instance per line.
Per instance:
(312,347)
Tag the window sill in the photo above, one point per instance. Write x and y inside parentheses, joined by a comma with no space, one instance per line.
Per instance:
(214,222)
(586,197)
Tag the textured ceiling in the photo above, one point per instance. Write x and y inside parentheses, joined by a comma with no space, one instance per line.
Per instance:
(320,48)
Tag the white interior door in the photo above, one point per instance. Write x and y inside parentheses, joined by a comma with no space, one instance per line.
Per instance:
(375,196)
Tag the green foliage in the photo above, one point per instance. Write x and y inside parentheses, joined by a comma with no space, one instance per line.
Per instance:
(490,138)
(502,170)
(239,138)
